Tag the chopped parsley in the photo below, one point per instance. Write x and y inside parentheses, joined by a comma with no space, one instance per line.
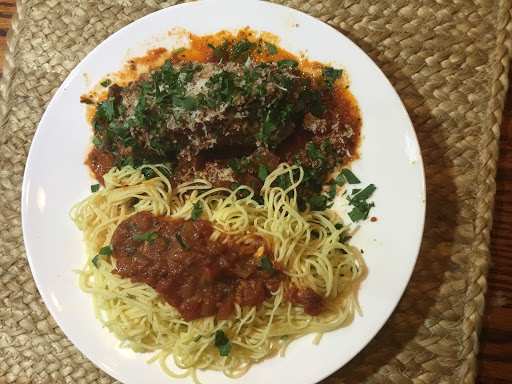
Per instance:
(351,178)
(318,203)
(197,338)
(95,188)
(361,207)
(197,211)
(241,51)
(180,241)
(262,172)
(266,265)
(148,237)
(330,75)
(222,342)
(272,50)
(107,251)
(339,180)
(287,63)
(284,337)
(105,83)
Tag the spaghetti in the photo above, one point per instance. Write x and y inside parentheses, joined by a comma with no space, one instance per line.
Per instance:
(307,245)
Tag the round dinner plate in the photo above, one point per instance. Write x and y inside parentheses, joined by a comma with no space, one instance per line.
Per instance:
(56,178)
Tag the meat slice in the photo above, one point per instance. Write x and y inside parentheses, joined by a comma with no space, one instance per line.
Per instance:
(212,106)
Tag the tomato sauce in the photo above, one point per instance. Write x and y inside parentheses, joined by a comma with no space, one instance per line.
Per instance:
(342,115)
(196,275)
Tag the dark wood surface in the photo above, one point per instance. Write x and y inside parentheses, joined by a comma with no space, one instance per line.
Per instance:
(495,358)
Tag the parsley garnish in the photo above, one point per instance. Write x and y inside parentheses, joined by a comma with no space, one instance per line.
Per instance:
(241,51)
(287,63)
(351,178)
(364,194)
(272,50)
(197,211)
(236,165)
(216,51)
(361,206)
(340,180)
(188,103)
(148,236)
(312,152)
(105,83)
(105,111)
(222,342)
(180,241)
(95,188)
(266,265)
(284,337)
(262,172)
(331,75)
(107,250)
(318,203)
(86,101)
(197,338)
(332,191)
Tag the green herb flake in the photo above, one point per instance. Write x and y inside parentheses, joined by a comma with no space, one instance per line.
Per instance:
(318,203)
(86,101)
(266,265)
(148,237)
(241,51)
(351,178)
(107,250)
(262,172)
(364,194)
(197,211)
(216,51)
(98,142)
(287,63)
(197,338)
(95,261)
(222,342)
(339,180)
(133,226)
(105,83)
(330,75)
(332,191)
(356,214)
(105,111)
(129,249)
(95,188)
(236,165)
(188,103)
(180,241)
(272,50)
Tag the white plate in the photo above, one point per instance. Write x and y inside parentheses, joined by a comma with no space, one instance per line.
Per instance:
(55,179)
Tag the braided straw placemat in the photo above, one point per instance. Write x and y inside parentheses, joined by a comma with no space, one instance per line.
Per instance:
(448,60)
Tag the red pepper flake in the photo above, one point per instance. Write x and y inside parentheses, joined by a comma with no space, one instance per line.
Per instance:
(373,219)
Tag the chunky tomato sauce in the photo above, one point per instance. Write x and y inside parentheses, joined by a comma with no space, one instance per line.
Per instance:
(343,119)
(196,275)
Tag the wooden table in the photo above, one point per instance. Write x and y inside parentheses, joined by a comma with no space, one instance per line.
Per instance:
(495,359)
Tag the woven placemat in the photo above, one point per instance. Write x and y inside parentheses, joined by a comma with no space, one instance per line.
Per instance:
(448,60)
